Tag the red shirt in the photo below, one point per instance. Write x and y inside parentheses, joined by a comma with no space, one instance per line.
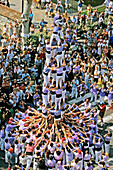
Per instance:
(42,55)
(103,108)
(30,148)
(22,88)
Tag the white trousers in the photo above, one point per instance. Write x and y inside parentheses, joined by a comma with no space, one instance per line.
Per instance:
(53,52)
(57,103)
(62,112)
(53,97)
(59,80)
(74,92)
(2,143)
(59,60)
(101,99)
(53,75)
(56,36)
(48,57)
(63,54)
(79,9)
(91,151)
(45,79)
(61,34)
(109,101)
(6,155)
(80,163)
(35,165)
(44,97)
(63,95)
(97,156)
(82,97)
(6,134)
(107,147)
(29,160)
(93,96)
(64,74)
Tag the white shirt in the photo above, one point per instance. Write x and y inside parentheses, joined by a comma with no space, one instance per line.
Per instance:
(110,4)
(23,160)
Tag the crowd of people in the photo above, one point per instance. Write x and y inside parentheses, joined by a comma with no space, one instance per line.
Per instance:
(39,128)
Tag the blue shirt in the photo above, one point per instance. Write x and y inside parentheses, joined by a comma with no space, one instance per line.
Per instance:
(111,39)
(42,23)
(31,16)
(102,93)
(80,5)
(74,83)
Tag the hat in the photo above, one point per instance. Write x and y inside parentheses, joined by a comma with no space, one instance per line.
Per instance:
(36,126)
(40,133)
(8,168)
(25,124)
(27,117)
(9,122)
(79,151)
(35,117)
(10,150)
(23,120)
(50,125)
(63,139)
(83,81)
(58,145)
(47,131)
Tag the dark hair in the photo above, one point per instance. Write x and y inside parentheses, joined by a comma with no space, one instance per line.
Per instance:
(30,143)
(51,144)
(58,153)
(16,141)
(6,140)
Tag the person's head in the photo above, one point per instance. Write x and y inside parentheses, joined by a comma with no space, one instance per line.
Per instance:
(109,133)
(3,127)
(30,11)
(87,101)
(30,143)
(42,21)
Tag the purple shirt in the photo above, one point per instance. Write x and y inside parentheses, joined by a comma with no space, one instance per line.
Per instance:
(60,49)
(85,87)
(76,69)
(55,29)
(35,97)
(59,70)
(59,91)
(46,70)
(48,47)
(110,96)
(9,127)
(11,140)
(2,134)
(45,90)
(102,93)
(7,146)
(55,17)
(94,89)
